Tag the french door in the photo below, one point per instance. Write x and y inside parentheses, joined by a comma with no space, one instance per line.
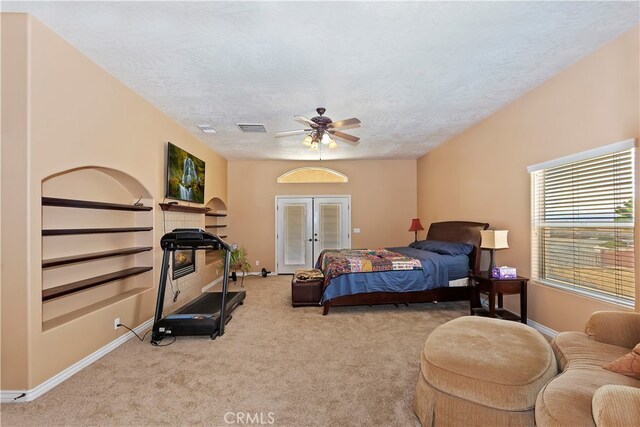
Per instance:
(305,226)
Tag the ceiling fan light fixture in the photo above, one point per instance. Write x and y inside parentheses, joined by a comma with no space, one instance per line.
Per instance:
(326,139)
(307,140)
(333,144)
(314,145)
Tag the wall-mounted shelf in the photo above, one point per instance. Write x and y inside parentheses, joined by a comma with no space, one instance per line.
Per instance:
(183,208)
(59,291)
(54,262)
(220,215)
(69,231)
(97,244)
(87,204)
(215,226)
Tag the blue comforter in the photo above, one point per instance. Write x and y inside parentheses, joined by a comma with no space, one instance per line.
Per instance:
(437,271)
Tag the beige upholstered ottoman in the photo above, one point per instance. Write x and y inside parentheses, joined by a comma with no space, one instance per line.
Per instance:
(479,371)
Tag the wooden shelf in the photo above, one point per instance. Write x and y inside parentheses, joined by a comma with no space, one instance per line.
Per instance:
(54,262)
(215,214)
(183,208)
(215,226)
(59,291)
(69,231)
(87,204)
(76,314)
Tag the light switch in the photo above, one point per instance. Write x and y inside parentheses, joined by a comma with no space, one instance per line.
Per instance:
(356,230)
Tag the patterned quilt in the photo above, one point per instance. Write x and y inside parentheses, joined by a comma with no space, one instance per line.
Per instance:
(334,263)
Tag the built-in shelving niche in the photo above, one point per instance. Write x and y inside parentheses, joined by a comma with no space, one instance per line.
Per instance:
(97,242)
(215,222)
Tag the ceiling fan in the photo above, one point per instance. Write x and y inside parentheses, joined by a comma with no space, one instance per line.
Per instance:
(322,130)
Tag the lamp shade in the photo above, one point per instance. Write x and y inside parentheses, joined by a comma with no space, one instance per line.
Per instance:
(415,225)
(494,239)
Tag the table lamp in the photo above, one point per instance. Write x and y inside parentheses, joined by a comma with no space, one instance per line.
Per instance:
(415,227)
(492,240)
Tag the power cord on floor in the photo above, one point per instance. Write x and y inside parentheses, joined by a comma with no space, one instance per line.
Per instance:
(134,332)
(153,343)
(157,343)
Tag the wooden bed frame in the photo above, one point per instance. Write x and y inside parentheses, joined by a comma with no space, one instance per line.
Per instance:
(446,231)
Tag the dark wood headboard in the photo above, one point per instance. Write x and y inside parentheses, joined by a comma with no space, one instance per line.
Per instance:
(460,231)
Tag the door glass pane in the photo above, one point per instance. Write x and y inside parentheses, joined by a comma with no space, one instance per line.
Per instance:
(330,226)
(294,235)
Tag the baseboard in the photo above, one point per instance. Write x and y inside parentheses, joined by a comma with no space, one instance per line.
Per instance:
(542,329)
(212,284)
(219,279)
(29,395)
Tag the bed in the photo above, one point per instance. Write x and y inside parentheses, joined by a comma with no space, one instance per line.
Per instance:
(409,283)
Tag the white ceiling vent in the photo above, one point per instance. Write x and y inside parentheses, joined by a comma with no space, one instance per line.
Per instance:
(206,128)
(251,127)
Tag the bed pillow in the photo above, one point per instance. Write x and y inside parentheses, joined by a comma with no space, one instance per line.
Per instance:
(443,248)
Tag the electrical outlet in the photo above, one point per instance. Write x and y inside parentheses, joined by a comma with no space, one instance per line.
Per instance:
(257,262)
(116,323)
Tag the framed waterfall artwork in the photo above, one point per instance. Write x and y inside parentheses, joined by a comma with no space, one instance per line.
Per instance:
(185,175)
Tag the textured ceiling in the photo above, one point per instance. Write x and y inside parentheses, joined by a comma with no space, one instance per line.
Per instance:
(415,74)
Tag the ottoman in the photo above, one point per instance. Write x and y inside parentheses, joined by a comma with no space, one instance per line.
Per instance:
(306,288)
(482,371)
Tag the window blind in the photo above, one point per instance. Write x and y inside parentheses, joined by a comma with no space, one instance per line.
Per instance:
(294,234)
(583,226)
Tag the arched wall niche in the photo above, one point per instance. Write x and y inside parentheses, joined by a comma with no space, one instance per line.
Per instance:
(84,242)
(92,179)
(216,223)
(312,175)
(216,204)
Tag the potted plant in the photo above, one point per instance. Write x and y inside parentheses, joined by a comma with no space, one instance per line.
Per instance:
(238,262)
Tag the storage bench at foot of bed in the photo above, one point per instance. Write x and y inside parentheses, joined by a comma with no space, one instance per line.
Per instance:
(306,293)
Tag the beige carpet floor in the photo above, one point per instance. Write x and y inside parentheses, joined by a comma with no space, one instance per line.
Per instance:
(293,366)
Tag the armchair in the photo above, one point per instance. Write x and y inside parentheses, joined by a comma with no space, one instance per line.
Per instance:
(585,393)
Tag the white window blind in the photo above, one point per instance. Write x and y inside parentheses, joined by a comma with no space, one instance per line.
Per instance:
(583,226)
(294,234)
(330,227)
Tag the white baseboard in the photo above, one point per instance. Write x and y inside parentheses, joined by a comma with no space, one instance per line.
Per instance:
(542,329)
(212,284)
(29,395)
(219,279)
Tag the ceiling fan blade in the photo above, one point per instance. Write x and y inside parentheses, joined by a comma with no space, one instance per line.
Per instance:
(353,140)
(292,132)
(343,123)
(307,121)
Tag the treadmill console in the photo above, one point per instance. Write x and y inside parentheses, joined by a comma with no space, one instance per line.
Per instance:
(192,238)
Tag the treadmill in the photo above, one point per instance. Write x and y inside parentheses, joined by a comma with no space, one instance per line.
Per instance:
(207,314)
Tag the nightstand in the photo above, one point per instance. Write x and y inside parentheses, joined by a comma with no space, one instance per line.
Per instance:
(484,283)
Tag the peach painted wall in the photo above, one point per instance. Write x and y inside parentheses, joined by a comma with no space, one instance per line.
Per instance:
(482,173)
(67,113)
(383,201)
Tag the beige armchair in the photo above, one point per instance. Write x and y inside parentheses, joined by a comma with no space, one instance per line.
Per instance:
(585,393)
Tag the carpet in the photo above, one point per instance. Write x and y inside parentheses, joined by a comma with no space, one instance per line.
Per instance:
(275,365)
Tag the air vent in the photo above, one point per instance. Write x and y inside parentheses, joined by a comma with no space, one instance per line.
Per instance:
(251,127)
(206,128)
